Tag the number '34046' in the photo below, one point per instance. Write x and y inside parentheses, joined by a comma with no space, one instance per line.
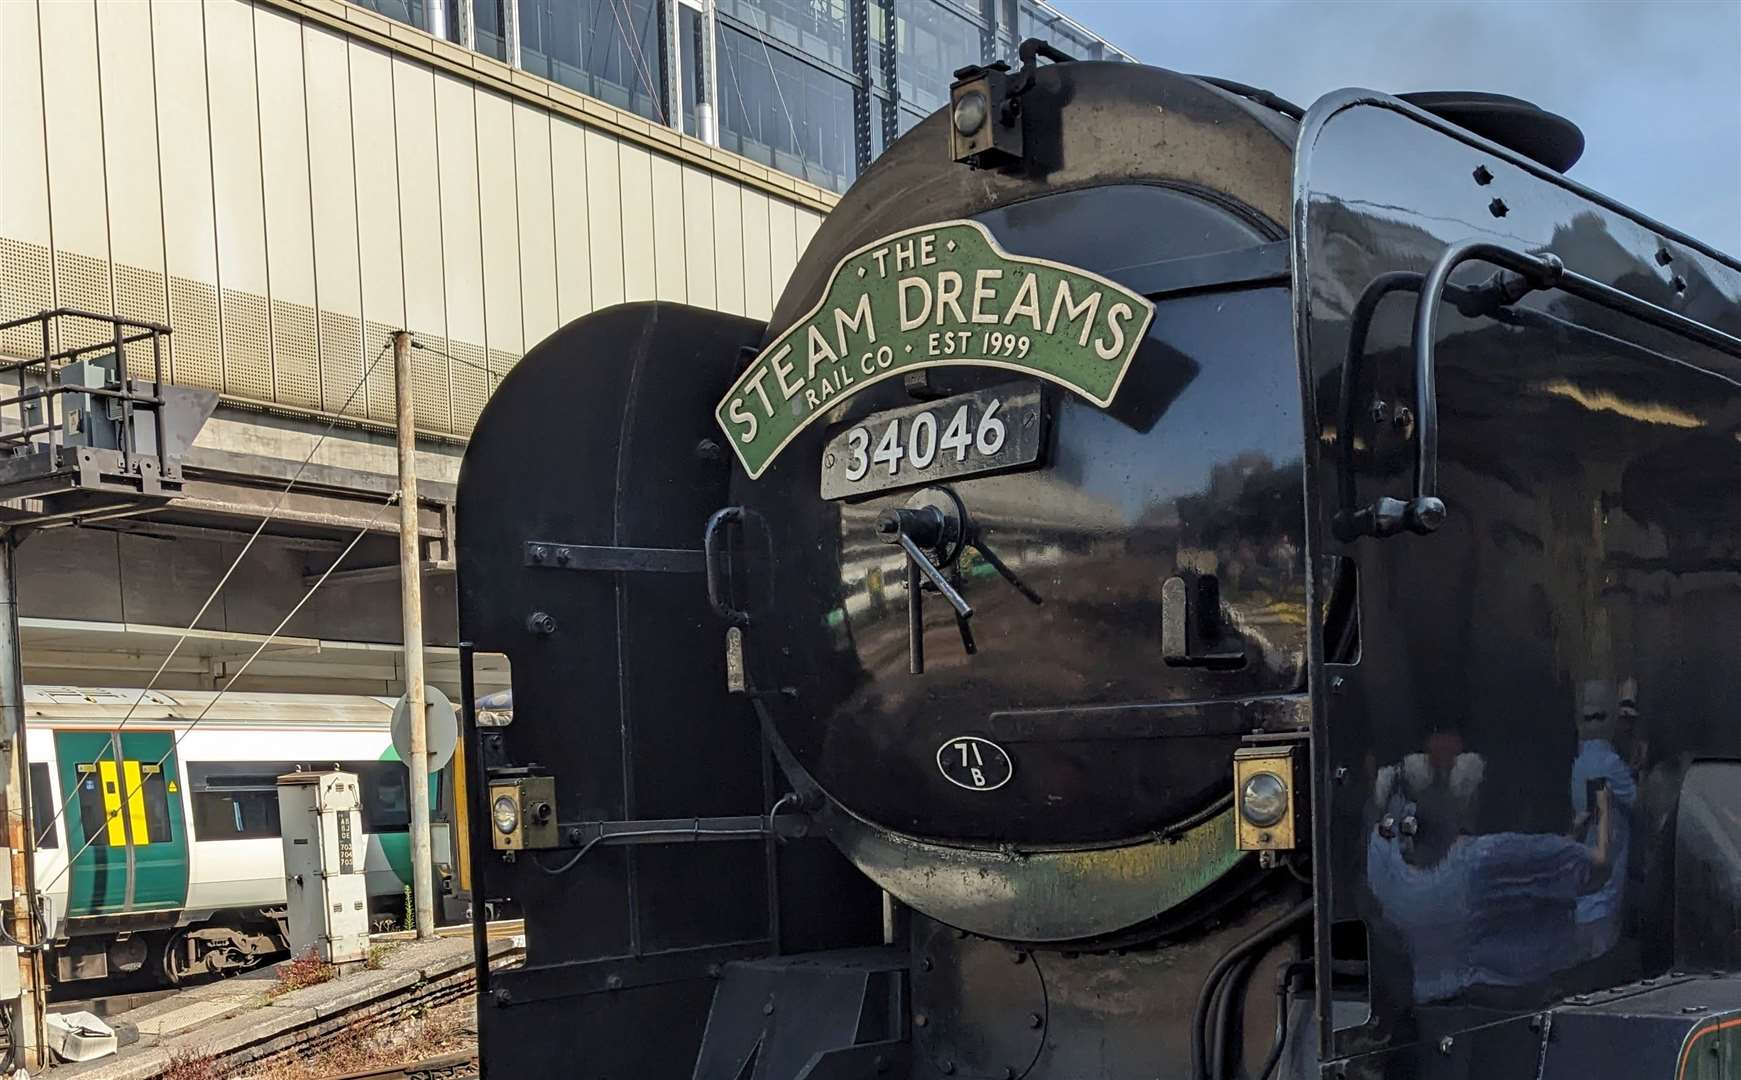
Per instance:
(918,442)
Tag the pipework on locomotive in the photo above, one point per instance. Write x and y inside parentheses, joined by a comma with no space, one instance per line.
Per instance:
(1181,586)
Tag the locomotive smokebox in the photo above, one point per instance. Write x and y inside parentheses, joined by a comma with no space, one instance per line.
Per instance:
(1022,510)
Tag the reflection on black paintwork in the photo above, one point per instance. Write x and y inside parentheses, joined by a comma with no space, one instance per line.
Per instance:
(1574,625)
(1499,910)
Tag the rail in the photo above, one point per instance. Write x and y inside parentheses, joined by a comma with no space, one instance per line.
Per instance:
(460,1066)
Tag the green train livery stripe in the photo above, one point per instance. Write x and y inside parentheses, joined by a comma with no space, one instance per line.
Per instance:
(936,295)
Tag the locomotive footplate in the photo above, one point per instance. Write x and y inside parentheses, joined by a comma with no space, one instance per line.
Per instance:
(815,1015)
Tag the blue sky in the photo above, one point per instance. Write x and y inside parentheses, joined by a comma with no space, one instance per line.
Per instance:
(1656,87)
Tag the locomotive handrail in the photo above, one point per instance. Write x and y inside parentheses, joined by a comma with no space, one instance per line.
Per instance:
(717,591)
(1425,511)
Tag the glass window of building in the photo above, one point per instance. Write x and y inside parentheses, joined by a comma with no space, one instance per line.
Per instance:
(784,112)
(1035,20)
(607,49)
(879,108)
(689,63)
(438,17)
(817,28)
(490,32)
(786,77)
(933,42)
(877,24)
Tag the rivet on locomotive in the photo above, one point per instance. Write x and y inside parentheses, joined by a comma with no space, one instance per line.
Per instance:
(1180,587)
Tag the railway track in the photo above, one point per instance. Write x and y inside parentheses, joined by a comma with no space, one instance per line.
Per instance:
(460,1066)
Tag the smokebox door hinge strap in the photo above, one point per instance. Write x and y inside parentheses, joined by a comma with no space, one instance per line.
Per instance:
(606,559)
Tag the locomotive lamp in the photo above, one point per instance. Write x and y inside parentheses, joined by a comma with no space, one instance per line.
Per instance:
(1264,786)
(985,131)
(523,812)
(506,813)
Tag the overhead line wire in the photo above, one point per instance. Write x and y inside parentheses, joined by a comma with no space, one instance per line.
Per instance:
(217,589)
(184,733)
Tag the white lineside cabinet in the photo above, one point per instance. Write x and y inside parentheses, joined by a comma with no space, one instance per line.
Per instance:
(324,850)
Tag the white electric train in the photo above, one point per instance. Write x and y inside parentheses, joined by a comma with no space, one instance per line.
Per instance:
(166,805)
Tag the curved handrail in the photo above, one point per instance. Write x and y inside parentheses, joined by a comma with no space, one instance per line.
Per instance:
(1425,511)
(717,593)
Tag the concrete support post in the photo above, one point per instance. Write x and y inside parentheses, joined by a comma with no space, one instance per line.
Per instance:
(28,1008)
(411,616)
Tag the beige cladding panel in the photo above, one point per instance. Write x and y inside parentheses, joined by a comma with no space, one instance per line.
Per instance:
(421,235)
(419,196)
(130,161)
(461,240)
(462,252)
(604,212)
(184,161)
(333,201)
(26,265)
(808,222)
(635,189)
(782,244)
(728,245)
(537,229)
(698,237)
(573,238)
(78,204)
(287,195)
(238,193)
(669,277)
(289,222)
(373,147)
(504,329)
(758,280)
(24,195)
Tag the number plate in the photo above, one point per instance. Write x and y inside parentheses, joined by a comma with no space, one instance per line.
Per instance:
(987,431)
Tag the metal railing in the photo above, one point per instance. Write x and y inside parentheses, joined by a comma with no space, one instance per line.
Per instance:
(43,397)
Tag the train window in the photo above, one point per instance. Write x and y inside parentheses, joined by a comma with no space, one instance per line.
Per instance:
(94,803)
(113,800)
(238,800)
(235,815)
(43,809)
(386,796)
(155,793)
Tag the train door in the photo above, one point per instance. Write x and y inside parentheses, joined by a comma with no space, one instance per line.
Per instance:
(124,822)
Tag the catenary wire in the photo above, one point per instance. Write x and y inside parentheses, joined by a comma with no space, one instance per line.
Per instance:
(127,797)
(218,589)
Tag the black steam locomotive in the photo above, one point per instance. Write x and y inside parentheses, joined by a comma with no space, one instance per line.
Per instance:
(1181,587)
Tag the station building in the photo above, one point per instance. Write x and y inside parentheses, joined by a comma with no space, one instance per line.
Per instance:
(284,183)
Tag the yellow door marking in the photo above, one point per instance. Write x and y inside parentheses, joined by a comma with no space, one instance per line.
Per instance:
(136,804)
(112,803)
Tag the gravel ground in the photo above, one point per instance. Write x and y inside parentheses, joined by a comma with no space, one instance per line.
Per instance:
(446,1029)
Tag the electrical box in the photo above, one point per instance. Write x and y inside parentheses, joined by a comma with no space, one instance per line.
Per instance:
(324,851)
